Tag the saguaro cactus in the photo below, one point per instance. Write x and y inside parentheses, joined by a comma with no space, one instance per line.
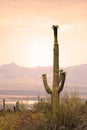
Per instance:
(58,78)
(3,104)
(17,106)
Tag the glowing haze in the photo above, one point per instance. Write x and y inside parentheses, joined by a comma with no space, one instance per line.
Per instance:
(26,35)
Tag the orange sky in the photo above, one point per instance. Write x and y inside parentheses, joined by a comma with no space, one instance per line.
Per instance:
(26,35)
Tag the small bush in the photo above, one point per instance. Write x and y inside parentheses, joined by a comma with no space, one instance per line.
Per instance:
(8,120)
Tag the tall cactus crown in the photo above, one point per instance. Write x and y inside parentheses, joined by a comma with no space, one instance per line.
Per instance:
(55,26)
(55,33)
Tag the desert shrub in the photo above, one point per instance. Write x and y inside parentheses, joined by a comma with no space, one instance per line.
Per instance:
(43,107)
(8,120)
(69,112)
(30,120)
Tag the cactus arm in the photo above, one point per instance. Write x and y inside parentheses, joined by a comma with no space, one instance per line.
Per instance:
(62,81)
(60,75)
(47,88)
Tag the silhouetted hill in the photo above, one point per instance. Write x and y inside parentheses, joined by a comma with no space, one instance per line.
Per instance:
(14,77)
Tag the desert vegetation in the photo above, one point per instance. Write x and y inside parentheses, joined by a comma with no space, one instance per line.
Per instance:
(72,115)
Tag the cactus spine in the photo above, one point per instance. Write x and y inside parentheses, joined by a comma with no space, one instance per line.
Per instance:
(58,78)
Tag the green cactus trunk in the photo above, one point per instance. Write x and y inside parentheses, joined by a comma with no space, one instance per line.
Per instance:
(58,79)
(55,95)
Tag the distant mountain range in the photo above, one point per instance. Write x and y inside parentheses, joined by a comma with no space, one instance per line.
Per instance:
(14,77)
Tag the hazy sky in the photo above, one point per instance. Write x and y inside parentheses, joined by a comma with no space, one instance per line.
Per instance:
(26,35)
